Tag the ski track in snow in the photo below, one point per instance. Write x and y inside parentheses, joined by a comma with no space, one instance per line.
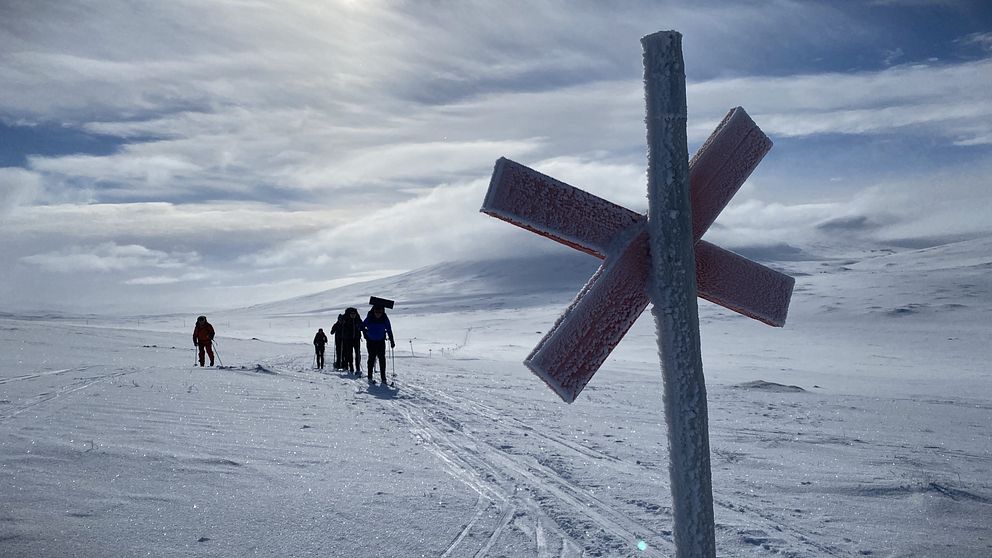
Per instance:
(510,483)
(62,391)
(607,516)
(504,482)
(476,468)
(552,510)
(42,374)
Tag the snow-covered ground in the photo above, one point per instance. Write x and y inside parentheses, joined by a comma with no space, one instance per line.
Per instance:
(860,429)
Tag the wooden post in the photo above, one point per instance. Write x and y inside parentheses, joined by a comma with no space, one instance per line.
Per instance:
(672,289)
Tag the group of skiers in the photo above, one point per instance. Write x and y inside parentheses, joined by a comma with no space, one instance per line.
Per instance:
(348,332)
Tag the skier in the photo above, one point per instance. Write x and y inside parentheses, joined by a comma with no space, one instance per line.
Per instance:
(351,341)
(377,328)
(203,336)
(336,332)
(319,341)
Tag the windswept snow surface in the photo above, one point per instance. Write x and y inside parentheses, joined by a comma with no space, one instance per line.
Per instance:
(860,429)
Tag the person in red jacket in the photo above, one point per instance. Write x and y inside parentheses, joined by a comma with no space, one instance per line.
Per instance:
(203,336)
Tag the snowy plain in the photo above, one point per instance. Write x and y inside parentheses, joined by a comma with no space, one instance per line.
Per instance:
(859,429)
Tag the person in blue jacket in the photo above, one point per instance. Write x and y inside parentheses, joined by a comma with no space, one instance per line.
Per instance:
(377,329)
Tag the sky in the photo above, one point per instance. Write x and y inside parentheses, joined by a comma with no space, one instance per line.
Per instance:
(190,155)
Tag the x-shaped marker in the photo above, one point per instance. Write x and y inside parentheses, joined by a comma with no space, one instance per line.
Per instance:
(605,309)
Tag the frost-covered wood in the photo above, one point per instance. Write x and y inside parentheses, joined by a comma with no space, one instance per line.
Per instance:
(571,353)
(673,296)
(592,326)
(551,208)
(738,284)
(721,166)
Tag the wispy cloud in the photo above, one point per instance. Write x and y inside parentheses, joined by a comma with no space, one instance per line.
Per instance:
(290,143)
(166,279)
(157,220)
(109,257)
(946,100)
(17,187)
(983,40)
(888,211)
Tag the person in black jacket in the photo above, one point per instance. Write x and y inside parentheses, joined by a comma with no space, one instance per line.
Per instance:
(319,341)
(351,341)
(336,332)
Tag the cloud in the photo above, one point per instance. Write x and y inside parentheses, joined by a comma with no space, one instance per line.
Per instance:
(947,100)
(18,187)
(302,155)
(293,143)
(953,4)
(983,40)
(931,206)
(756,222)
(171,222)
(127,174)
(166,279)
(256,103)
(443,223)
(892,55)
(855,223)
(944,203)
(108,257)
(283,155)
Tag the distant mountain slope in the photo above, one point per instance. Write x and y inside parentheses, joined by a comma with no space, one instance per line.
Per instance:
(952,280)
(456,286)
(951,283)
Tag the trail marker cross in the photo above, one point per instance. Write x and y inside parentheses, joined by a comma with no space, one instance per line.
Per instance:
(616,295)
(658,258)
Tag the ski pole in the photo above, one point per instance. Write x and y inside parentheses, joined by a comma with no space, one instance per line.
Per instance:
(220,361)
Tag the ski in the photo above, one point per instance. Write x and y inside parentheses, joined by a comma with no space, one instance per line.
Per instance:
(383,384)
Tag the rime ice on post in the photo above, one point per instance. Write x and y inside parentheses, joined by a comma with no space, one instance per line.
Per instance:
(660,258)
(572,351)
(673,295)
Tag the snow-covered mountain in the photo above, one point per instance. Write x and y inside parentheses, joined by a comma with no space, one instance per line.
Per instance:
(457,286)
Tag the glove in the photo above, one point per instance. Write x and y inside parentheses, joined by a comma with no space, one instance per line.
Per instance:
(196,343)
(392,344)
